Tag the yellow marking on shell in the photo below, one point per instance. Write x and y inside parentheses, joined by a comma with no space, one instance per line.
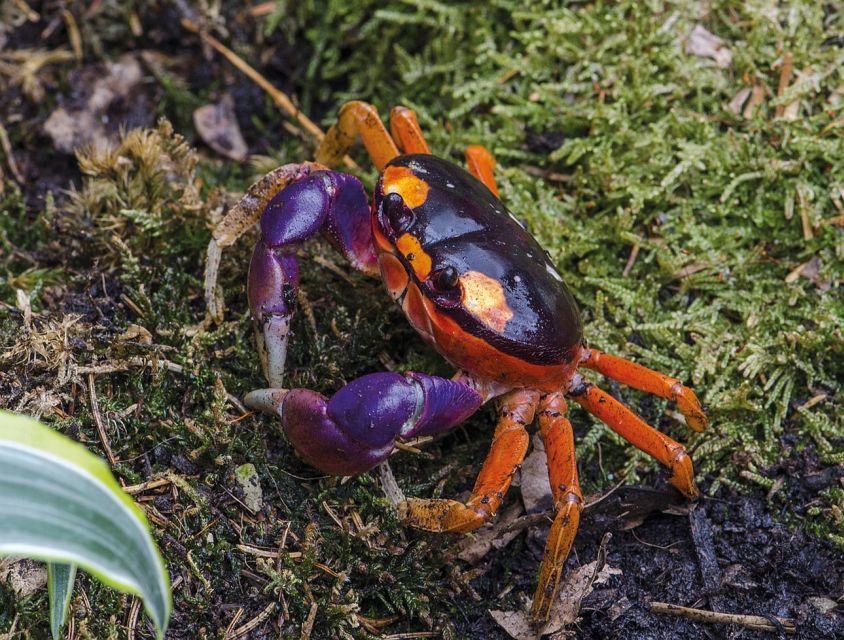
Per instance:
(484,298)
(401,180)
(414,253)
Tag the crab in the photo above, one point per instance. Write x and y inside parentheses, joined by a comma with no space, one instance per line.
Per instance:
(477,287)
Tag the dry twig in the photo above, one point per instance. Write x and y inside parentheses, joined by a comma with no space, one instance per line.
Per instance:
(10,158)
(757,623)
(785,79)
(308,626)
(279,97)
(254,623)
(98,419)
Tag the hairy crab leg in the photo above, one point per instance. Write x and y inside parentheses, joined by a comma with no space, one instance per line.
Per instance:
(640,434)
(243,216)
(355,118)
(649,381)
(405,129)
(509,445)
(357,427)
(481,164)
(558,437)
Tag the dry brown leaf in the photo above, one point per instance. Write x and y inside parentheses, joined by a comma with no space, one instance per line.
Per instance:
(136,333)
(516,624)
(576,585)
(217,125)
(25,576)
(535,488)
(476,545)
(810,270)
(703,44)
(736,104)
(74,128)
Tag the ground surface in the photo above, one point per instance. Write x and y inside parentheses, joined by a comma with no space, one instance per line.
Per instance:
(691,190)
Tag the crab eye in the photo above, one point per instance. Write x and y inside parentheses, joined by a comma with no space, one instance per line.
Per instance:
(398,215)
(445,279)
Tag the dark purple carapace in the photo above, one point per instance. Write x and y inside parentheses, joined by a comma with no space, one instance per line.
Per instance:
(462,226)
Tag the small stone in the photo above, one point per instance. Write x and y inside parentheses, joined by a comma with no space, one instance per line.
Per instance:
(25,576)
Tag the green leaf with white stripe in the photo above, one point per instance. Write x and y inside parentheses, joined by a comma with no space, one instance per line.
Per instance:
(60,579)
(60,503)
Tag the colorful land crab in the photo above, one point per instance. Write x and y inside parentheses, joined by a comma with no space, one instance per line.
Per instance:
(477,287)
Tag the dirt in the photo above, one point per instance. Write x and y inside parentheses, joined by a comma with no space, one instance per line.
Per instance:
(725,553)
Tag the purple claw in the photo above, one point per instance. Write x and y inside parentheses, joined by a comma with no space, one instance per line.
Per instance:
(272,282)
(352,234)
(356,429)
(327,201)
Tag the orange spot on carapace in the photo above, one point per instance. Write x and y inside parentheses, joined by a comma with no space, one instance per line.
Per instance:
(409,245)
(471,353)
(484,298)
(401,180)
(417,312)
(393,274)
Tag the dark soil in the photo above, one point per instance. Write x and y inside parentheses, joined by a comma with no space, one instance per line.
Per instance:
(725,553)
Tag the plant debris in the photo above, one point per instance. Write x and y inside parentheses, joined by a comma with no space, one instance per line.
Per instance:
(218,128)
(93,118)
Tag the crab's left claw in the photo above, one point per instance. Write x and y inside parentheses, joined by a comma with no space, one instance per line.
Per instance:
(357,427)
(327,201)
(241,217)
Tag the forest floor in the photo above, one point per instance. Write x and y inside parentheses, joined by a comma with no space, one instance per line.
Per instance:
(683,163)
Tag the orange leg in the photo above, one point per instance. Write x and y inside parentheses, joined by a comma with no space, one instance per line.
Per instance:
(406,131)
(481,163)
(509,445)
(650,381)
(558,437)
(357,118)
(641,435)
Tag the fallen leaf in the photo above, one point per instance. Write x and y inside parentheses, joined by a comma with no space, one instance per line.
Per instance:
(516,624)
(619,608)
(217,126)
(136,333)
(575,586)
(535,488)
(703,44)
(738,101)
(391,488)
(476,545)
(247,478)
(810,270)
(112,101)
(757,97)
(822,604)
